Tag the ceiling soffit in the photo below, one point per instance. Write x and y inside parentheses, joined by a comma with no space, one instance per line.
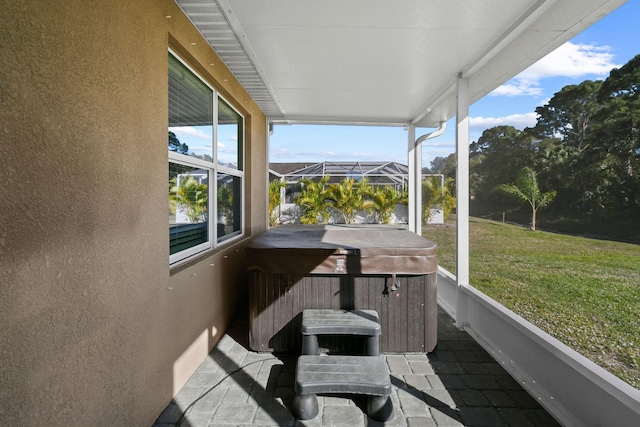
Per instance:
(380,62)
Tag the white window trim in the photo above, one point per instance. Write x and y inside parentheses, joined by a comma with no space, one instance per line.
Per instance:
(230,171)
(189,252)
(213,169)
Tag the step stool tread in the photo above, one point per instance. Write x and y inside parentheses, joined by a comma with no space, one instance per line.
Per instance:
(342,374)
(340,322)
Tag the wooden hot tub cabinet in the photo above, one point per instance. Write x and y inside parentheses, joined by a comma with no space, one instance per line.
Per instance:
(384,268)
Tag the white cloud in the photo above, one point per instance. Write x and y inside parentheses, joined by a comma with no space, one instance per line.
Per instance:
(290,155)
(517,87)
(518,121)
(573,60)
(438,143)
(189,131)
(569,60)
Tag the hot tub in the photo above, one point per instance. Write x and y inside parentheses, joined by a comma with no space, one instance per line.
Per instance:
(384,268)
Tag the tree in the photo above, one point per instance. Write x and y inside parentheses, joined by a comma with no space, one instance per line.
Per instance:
(445,165)
(225,202)
(431,195)
(192,197)
(275,198)
(348,197)
(435,195)
(384,199)
(176,145)
(569,114)
(567,145)
(313,200)
(526,189)
(618,134)
(494,159)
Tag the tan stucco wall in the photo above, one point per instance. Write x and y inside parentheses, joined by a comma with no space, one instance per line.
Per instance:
(95,328)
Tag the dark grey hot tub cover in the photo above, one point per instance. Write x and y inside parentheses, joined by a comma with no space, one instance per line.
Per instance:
(341,249)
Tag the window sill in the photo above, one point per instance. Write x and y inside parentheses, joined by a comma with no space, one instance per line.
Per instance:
(199,257)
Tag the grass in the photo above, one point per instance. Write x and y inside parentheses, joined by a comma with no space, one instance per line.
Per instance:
(584,292)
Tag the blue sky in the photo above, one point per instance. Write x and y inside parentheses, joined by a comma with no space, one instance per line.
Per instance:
(608,44)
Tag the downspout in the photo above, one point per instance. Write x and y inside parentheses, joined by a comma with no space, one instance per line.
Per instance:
(418,173)
(441,129)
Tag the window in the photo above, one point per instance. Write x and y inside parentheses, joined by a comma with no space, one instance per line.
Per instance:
(206,139)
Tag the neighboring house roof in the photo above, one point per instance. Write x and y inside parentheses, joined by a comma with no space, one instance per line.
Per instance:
(281,169)
(376,172)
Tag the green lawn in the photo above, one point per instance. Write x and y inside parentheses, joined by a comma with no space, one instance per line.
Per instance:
(584,292)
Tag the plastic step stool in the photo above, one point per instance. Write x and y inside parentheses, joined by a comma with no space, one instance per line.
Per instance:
(342,374)
(340,322)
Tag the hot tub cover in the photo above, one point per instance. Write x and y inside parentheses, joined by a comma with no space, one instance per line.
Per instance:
(341,249)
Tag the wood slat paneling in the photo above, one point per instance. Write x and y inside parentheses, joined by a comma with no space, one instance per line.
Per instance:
(408,315)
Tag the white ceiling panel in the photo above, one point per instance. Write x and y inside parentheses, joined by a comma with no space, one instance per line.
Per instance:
(382,62)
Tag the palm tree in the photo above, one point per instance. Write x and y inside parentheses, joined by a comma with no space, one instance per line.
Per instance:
(384,199)
(275,198)
(348,197)
(192,197)
(435,195)
(448,201)
(526,189)
(225,202)
(314,201)
(431,194)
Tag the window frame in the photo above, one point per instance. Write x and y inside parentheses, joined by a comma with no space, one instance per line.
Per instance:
(213,168)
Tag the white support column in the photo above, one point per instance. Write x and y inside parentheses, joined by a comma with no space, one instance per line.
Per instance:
(411,149)
(462,197)
(418,184)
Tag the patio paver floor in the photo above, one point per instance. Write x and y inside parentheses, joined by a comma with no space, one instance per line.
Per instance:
(459,384)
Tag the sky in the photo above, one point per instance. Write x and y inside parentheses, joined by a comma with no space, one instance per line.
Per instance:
(608,44)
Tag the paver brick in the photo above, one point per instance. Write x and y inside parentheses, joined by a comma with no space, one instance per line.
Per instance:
(235,396)
(480,382)
(187,395)
(500,399)
(506,382)
(449,382)
(494,368)
(421,367)
(273,414)
(398,365)
(439,398)
(421,422)
(443,356)
(473,398)
(446,417)
(481,417)
(413,403)
(440,367)
(418,382)
(196,419)
(474,368)
(343,416)
(205,379)
(234,414)
(207,403)
(515,417)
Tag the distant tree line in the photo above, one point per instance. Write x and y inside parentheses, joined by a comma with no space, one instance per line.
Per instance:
(318,199)
(585,147)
